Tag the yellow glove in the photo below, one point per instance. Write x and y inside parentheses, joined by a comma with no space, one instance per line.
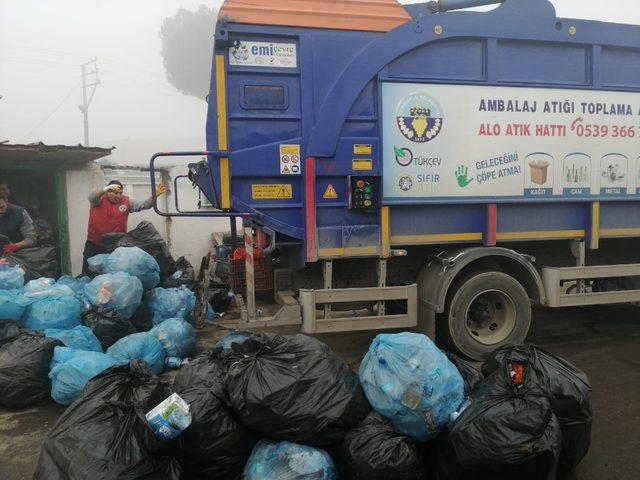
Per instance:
(160,189)
(112,188)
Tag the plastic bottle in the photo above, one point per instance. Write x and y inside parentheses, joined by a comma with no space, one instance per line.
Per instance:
(175,362)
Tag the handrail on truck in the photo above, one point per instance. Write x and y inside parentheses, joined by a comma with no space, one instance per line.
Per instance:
(441,6)
(217,214)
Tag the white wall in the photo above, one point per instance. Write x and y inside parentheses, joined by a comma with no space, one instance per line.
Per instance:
(189,237)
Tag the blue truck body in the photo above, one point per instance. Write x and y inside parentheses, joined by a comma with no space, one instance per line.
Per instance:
(330,103)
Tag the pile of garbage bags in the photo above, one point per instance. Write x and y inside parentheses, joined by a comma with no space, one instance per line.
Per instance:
(265,406)
(72,329)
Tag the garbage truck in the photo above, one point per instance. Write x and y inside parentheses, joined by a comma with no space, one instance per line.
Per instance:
(424,166)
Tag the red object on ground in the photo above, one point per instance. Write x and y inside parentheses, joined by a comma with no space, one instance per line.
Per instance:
(517,373)
(240,253)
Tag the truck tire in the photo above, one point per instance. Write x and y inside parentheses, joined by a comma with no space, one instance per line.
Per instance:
(485,310)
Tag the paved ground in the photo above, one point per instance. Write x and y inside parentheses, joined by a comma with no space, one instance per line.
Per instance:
(604,342)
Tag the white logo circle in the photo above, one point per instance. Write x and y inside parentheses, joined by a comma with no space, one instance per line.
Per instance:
(122,208)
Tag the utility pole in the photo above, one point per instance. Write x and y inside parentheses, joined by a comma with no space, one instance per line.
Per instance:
(88,69)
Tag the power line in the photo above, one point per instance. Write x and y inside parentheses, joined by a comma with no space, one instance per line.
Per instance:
(52,113)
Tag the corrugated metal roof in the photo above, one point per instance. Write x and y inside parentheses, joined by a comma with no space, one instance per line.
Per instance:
(366,15)
(51,155)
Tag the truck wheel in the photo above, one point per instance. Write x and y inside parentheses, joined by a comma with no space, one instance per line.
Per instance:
(485,311)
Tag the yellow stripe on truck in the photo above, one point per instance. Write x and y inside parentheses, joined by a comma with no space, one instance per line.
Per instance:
(221,95)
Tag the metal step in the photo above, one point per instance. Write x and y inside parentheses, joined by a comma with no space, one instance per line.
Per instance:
(556,292)
(310,298)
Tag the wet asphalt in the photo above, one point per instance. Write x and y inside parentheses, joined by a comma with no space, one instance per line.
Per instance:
(602,341)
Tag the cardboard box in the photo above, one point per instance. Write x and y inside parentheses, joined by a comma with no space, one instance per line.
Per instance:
(539,171)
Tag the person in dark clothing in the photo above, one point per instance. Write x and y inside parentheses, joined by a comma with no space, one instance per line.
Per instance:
(16,224)
(109,213)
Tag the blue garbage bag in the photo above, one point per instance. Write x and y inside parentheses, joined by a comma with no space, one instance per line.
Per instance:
(96,263)
(116,290)
(139,346)
(233,337)
(46,288)
(177,337)
(53,312)
(165,303)
(76,284)
(78,338)
(411,382)
(288,461)
(136,262)
(71,369)
(12,304)
(11,278)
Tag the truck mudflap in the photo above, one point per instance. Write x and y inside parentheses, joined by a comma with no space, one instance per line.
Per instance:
(439,273)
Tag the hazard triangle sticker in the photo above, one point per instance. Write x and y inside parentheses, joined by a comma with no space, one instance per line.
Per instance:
(330,193)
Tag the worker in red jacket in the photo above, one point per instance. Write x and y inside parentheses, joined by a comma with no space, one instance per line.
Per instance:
(109,213)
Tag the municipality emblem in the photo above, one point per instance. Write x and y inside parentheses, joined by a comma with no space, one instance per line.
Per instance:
(419,118)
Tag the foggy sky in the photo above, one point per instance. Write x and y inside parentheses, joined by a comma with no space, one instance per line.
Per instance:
(43,43)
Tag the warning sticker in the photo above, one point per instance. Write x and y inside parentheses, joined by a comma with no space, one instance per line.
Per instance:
(271,191)
(330,192)
(289,159)
(362,149)
(362,164)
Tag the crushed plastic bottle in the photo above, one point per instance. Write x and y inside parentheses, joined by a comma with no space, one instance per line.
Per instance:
(175,362)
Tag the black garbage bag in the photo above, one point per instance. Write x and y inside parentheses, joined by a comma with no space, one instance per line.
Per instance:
(24,370)
(36,262)
(45,236)
(294,388)
(508,431)
(148,239)
(183,275)
(374,450)
(216,444)
(142,319)
(471,375)
(9,330)
(107,324)
(568,390)
(104,435)
(220,299)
